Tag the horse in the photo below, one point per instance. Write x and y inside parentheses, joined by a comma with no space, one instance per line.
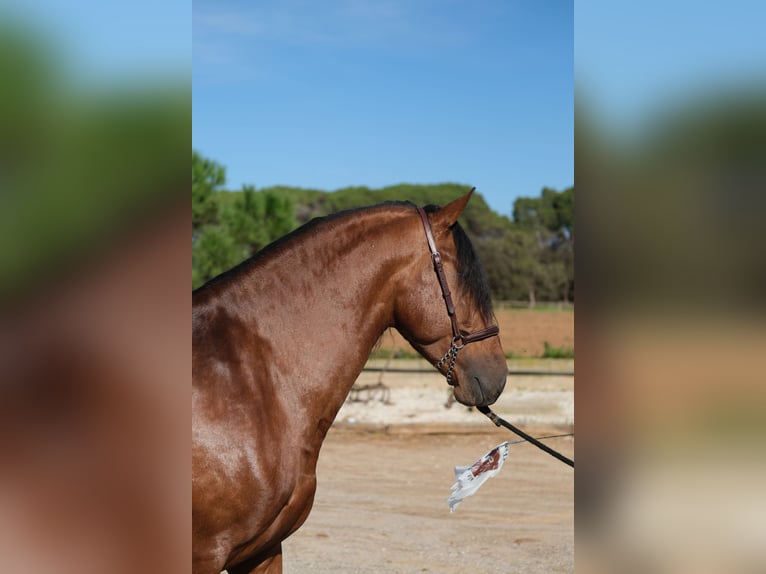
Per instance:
(278,341)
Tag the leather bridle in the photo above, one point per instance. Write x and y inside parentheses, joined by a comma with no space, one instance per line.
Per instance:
(459,337)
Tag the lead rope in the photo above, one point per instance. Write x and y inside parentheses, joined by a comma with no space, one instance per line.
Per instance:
(451,354)
(499,421)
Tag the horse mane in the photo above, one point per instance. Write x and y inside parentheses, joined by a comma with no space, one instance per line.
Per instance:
(280,243)
(470,273)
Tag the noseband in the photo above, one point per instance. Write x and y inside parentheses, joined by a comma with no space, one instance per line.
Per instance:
(459,338)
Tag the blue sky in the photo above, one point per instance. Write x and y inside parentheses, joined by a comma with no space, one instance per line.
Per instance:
(104,43)
(337,93)
(634,58)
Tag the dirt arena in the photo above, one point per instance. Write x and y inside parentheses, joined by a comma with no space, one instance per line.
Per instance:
(385,473)
(381,508)
(523,332)
(386,469)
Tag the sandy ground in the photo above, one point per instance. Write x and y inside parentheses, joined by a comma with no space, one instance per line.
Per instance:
(385,472)
(416,398)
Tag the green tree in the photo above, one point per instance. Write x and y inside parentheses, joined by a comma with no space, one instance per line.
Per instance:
(208,177)
(212,253)
(255,218)
(528,258)
(553,210)
(512,265)
(550,219)
(228,227)
(243,219)
(279,216)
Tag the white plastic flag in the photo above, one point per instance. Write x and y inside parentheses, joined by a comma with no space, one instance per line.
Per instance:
(470,478)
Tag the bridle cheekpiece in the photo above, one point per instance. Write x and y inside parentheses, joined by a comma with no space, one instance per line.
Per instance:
(459,338)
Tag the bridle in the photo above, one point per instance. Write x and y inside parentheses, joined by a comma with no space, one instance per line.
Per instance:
(459,338)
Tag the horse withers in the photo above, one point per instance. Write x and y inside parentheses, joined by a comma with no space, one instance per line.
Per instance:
(279,340)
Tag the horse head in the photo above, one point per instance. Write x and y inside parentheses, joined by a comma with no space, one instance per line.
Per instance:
(444,308)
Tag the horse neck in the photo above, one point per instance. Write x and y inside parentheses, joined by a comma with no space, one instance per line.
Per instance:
(322,301)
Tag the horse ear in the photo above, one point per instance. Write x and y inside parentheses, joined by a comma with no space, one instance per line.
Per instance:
(446,216)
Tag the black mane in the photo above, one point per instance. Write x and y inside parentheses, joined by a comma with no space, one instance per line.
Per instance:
(470,272)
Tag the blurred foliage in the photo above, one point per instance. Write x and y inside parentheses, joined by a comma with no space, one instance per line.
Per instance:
(671,262)
(94,352)
(675,208)
(529,258)
(78,164)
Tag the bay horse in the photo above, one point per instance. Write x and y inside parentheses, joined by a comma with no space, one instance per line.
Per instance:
(278,341)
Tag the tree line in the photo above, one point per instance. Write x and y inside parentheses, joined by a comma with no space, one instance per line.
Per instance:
(528,257)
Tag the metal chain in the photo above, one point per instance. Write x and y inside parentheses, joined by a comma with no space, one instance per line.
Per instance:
(452,355)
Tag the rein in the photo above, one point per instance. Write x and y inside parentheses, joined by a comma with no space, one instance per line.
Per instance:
(460,339)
